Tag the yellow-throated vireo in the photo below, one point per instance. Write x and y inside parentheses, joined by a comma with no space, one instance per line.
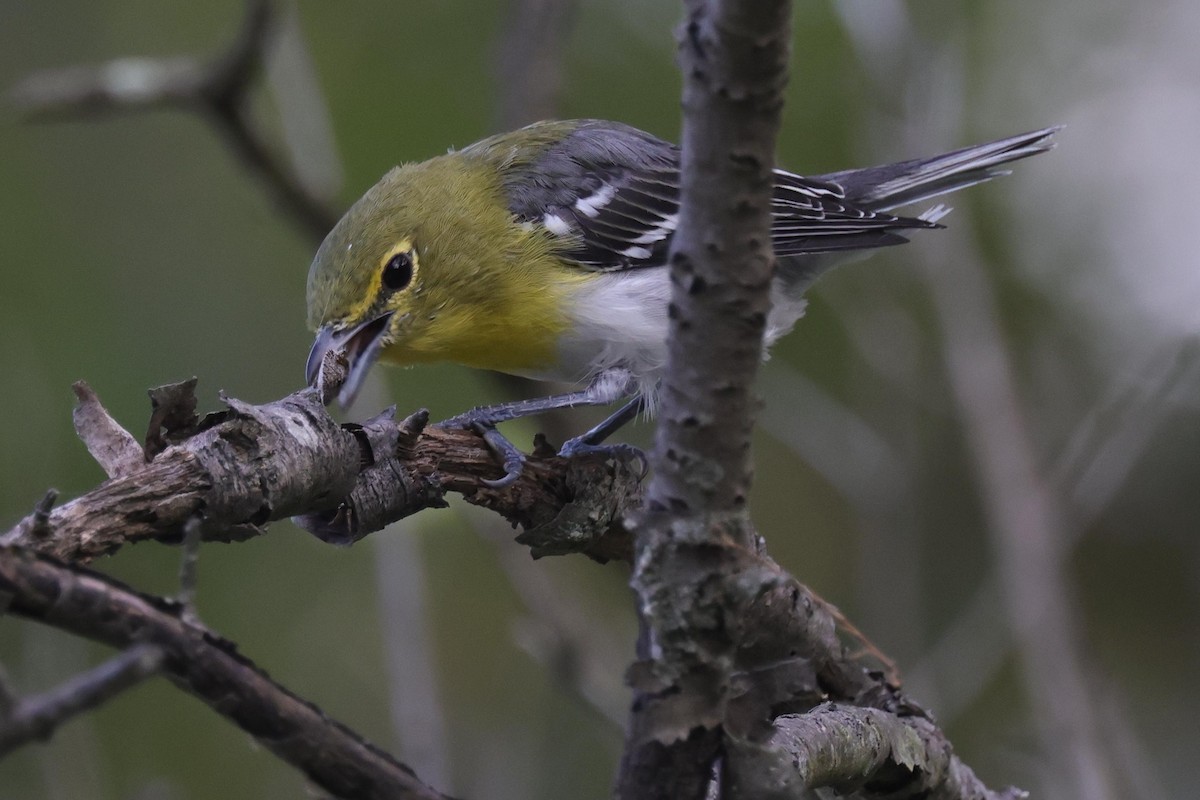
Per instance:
(542,253)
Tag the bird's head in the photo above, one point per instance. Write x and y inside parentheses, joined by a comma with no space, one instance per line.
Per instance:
(364,285)
(429,265)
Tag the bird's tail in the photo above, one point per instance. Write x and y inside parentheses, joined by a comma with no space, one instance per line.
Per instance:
(892,185)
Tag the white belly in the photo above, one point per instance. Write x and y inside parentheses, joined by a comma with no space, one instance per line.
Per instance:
(621,325)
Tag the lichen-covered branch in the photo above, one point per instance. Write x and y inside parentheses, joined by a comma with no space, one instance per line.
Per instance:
(852,750)
(210,668)
(242,468)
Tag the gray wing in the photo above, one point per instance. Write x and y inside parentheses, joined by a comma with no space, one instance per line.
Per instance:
(612,193)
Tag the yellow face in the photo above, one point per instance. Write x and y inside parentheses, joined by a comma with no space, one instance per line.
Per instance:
(429,265)
(392,281)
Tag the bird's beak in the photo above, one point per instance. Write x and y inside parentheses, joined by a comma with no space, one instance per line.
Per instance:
(362,345)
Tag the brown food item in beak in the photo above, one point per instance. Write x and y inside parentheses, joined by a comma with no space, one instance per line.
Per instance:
(362,345)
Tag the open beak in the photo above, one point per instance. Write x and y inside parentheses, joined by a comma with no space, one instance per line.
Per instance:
(362,345)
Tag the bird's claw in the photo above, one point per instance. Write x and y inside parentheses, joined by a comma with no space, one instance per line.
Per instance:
(512,459)
(621,451)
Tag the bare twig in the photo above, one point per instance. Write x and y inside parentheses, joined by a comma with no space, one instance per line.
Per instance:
(189,567)
(37,717)
(218,88)
(208,667)
(735,63)
(253,464)
(113,447)
(40,520)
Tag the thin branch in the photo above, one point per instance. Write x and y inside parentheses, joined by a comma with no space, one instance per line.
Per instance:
(279,458)
(218,88)
(113,447)
(853,750)
(696,571)
(40,520)
(734,58)
(36,718)
(252,464)
(189,570)
(210,668)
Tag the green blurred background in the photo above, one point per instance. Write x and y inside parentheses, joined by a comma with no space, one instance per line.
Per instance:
(136,251)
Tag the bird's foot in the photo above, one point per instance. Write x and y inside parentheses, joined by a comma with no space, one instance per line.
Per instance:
(507,453)
(621,452)
(483,421)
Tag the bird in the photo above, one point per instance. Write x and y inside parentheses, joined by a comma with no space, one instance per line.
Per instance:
(542,252)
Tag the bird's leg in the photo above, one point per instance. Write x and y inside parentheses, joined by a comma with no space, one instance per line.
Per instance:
(605,389)
(590,442)
(610,425)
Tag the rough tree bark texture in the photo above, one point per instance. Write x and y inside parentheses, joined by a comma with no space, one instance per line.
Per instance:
(694,569)
(856,752)
(240,469)
(734,58)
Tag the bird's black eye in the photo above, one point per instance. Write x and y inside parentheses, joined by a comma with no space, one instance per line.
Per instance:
(398,271)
